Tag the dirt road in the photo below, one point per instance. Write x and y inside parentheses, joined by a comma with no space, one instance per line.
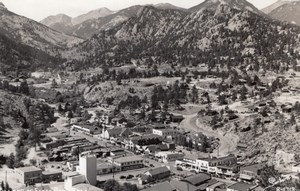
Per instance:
(228,142)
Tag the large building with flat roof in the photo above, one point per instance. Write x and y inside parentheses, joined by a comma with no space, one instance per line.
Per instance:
(28,175)
(129,162)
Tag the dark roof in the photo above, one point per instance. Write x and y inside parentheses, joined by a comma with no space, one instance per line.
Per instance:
(165,186)
(163,147)
(159,170)
(198,179)
(240,186)
(253,168)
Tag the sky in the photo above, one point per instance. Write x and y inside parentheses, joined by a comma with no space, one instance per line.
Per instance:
(40,9)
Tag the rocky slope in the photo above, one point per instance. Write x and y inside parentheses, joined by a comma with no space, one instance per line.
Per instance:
(27,43)
(242,5)
(31,33)
(289,11)
(226,35)
(95,14)
(275,5)
(91,26)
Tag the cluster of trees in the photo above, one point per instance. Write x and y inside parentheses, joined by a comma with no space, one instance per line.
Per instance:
(170,95)
(5,186)
(26,139)
(113,185)
(23,88)
(118,76)
(37,115)
(16,56)
(153,141)
(133,102)
(199,143)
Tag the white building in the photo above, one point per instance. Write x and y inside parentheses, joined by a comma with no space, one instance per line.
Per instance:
(88,168)
(165,132)
(169,156)
(129,162)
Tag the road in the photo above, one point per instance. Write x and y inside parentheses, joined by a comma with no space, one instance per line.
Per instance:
(227,143)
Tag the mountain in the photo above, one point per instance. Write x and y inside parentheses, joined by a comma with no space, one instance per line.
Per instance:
(289,11)
(88,28)
(60,22)
(275,5)
(220,37)
(24,42)
(31,33)
(236,4)
(167,6)
(95,14)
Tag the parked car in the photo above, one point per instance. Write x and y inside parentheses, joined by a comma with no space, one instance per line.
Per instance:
(122,177)
(130,176)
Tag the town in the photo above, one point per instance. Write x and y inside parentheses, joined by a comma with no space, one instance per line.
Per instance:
(151,97)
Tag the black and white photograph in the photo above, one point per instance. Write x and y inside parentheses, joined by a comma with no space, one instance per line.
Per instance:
(149,95)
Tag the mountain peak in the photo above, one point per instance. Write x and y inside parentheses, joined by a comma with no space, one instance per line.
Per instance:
(167,6)
(236,4)
(94,14)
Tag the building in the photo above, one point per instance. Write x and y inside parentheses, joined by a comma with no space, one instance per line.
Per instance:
(250,173)
(155,174)
(216,165)
(165,132)
(165,186)
(116,133)
(240,186)
(129,162)
(78,183)
(88,129)
(169,156)
(51,176)
(107,168)
(29,175)
(199,182)
(88,168)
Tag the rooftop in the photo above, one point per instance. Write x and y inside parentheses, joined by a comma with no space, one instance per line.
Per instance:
(128,159)
(51,172)
(198,179)
(165,186)
(253,168)
(159,170)
(29,169)
(86,187)
(240,186)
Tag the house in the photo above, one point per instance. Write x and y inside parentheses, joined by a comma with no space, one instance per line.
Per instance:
(155,174)
(29,175)
(169,156)
(89,129)
(240,186)
(176,118)
(116,132)
(249,173)
(129,162)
